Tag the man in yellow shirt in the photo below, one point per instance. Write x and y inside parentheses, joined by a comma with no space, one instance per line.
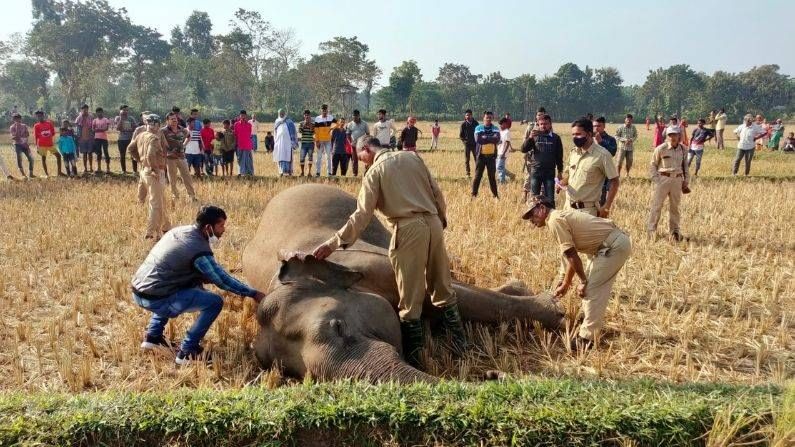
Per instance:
(720,126)
(669,176)
(607,247)
(153,176)
(400,186)
(322,126)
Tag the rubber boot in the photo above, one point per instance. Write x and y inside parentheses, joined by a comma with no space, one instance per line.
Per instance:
(451,320)
(413,341)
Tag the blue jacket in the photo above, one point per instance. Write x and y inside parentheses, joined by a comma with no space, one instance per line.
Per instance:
(486,140)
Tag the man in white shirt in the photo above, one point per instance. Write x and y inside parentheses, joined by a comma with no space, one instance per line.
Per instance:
(747,132)
(384,129)
(502,152)
(720,126)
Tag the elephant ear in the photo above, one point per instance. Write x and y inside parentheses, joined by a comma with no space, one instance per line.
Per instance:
(297,266)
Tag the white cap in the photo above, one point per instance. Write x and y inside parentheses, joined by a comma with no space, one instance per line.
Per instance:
(673,129)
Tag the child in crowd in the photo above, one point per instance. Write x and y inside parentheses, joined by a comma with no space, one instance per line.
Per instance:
(339,158)
(269,142)
(790,145)
(502,151)
(207,136)
(218,153)
(67,146)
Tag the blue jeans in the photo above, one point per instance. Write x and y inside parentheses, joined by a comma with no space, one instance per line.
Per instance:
(501,169)
(195,161)
(285,167)
(187,300)
(245,161)
(547,180)
(307,149)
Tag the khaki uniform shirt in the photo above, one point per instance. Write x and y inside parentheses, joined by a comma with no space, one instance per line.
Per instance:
(667,159)
(720,121)
(582,231)
(152,154)
(399,185)
(587,171)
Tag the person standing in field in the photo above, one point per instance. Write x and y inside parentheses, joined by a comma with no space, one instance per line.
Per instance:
(683,126)
(762,123)
(149,145)
(99,126)
(43,133)
(357,131)
(508,120)
(709,125)
(384,129)
(467,136)
(648,121)
(194,155)
(720,127)
(284,142)
(176,137)
(533,125)
(19,136)
(543,151)
(125,125)
(229,146)
(245,159)
(218,153)
(270,143)
(85,139)
(607,248)
(323,139)
(400,185)
(669,176)
(589,164)
(627,135)
(339,156)
(254,127)
(748,133)
(487,137)
(307,131)
(777,132)
(170,283)
(436,130)
(409,135)
(659,131)
(502,152)
(67,146)
(207,135)
(697,145)
(609,143)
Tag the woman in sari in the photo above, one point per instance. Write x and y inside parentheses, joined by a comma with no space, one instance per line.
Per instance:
(775,138)
(659,130)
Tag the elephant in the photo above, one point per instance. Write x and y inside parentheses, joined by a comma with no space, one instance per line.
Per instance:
(337,318)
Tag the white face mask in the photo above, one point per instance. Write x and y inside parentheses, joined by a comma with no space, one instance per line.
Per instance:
(213,239)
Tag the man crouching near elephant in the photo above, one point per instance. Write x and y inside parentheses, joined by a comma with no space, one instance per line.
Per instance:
(400,186)
(169,283)
(578,232)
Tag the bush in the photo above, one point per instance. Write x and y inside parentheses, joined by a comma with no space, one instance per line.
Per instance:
(546,412)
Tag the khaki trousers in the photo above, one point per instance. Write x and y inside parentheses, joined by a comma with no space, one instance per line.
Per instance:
(158,222)
(601,273)
(179,166)
(142,189)
(671,188)
(419,258)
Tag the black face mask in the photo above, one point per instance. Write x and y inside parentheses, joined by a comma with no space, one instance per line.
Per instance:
(580,141)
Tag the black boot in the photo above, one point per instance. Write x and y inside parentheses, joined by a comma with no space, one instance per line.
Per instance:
(413,341)
(451,320)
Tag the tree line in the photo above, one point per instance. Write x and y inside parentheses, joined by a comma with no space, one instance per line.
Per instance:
(90,52)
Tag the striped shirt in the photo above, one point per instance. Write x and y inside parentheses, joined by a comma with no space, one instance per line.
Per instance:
(624,133)
(217,275)
(307,132)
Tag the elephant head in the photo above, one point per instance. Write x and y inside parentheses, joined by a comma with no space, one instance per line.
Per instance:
(314,321)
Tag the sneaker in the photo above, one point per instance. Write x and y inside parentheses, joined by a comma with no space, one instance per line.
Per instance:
(151,343)
(186,358)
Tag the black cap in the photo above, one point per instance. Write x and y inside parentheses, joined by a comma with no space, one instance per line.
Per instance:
(534,202)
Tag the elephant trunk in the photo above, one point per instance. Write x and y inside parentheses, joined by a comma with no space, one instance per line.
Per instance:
(374,361)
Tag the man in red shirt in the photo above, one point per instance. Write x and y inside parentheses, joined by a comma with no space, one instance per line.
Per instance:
(43,132)
(242,131)
(207,135)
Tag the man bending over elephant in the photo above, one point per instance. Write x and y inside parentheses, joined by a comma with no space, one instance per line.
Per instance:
(400,186)
(169,283)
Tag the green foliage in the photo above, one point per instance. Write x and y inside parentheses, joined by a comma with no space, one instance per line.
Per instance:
(545,412)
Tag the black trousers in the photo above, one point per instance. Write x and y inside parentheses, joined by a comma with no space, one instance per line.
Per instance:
(469,149)
(339,161)
(123,156)
(355,162)
(489,164)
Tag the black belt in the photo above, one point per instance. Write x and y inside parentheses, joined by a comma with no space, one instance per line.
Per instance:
(579,205)
(146,295)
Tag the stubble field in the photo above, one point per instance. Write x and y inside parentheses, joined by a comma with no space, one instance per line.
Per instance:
(719,307)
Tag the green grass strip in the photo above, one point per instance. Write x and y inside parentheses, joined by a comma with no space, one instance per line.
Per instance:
(525,412)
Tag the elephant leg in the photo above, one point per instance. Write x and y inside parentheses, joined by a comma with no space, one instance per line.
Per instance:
(489,306)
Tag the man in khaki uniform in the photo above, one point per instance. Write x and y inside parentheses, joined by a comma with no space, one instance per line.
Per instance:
(585,172)
(607,247)
(668,170)
(400,186)
(153,177)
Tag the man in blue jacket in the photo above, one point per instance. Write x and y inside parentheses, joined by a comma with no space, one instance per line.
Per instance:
(487,137)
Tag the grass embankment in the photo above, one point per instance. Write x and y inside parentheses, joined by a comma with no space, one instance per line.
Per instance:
(543,412)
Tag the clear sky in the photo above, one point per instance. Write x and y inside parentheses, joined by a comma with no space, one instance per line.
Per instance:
(512,36)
